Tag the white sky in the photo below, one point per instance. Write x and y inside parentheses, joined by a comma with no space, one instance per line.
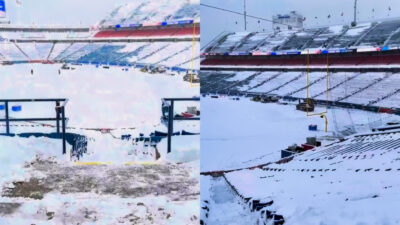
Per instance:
(213,22)
(60,12)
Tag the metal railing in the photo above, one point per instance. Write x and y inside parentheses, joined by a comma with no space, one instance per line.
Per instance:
(59,109)
(171,116)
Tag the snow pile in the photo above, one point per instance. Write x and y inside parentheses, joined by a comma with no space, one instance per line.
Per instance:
(15,152)
(88,209)
(76,197)
(220,205)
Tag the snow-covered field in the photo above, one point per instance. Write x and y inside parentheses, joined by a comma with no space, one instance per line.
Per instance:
(116,181)
(97,97)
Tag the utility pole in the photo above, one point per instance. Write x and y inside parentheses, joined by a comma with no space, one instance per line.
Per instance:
(355,14)
(245,15)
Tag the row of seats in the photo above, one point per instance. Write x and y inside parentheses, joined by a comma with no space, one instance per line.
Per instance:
(360,145)
(161,53)
(375,34)
(368,89)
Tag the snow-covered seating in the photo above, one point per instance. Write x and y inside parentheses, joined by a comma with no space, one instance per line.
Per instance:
(380,33)
(11,52)
(229,42)
(300,39)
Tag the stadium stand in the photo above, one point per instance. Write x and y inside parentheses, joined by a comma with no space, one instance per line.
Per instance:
(375,34)
(128,37)
(365,89)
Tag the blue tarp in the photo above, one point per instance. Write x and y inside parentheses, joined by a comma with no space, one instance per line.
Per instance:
(16,108)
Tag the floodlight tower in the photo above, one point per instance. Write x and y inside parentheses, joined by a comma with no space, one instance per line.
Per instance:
(354,23)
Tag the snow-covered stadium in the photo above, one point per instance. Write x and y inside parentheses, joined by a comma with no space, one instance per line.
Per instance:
(267,100)
(99,125)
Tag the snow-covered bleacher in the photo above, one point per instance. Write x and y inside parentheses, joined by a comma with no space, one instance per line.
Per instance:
(335,169)
(299,40)
(138,12)
(350,87)
(367,88)
(11,52)
(169,54)
(380,34)
(137,33)
(45,35)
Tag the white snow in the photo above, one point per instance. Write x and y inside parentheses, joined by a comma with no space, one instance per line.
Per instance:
(15,152)
(238,134)
(333,191)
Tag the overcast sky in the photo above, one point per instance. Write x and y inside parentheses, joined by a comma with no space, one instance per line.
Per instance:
(60,12)
(213,22)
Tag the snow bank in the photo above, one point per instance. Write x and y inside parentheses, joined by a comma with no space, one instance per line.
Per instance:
(15,152)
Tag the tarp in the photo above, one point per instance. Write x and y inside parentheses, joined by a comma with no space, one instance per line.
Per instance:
(163,134)
(189,133)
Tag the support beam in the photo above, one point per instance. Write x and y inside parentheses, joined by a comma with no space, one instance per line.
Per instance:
(63,130)
(58,116)
(171,117)
(170,124)
(35,100)
(7,119)
(60,112)
(27,119)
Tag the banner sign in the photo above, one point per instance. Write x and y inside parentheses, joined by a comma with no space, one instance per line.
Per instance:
(2,8)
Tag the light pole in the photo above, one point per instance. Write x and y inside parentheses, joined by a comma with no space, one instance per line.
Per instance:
(354,23)
(245,15)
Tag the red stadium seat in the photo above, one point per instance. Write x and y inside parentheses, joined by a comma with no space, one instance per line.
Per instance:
(156,32)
